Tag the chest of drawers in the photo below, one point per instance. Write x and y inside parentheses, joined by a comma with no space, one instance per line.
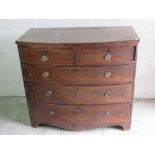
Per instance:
(79,78)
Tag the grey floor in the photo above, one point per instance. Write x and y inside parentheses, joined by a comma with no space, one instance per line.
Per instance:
(14,119)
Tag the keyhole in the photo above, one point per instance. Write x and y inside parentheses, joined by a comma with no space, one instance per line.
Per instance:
(108,51)
(77,110)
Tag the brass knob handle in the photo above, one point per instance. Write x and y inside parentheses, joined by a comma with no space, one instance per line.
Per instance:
(107,94)
(107,57)
(46,74)
(108,74)
(44,58)
(51,113)
(107,114)
(48,93)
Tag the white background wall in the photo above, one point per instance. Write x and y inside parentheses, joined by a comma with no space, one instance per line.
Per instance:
(10,73)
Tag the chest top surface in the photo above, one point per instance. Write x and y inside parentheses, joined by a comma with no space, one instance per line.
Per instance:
(78,35)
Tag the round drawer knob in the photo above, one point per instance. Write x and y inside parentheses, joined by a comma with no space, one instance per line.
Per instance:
(51,113)
(46,74)
(107,114)
(107,94)
(108,74)
(44,58)
(48,93)
(107,57)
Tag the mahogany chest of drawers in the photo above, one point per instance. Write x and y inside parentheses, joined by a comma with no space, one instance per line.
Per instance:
(79,78)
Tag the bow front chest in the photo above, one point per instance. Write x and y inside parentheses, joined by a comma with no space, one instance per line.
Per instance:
(79,78)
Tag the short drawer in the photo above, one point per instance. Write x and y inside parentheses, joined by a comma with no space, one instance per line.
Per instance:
(79,94)
(80,75)
(96,114)
(46,56)
(106,56)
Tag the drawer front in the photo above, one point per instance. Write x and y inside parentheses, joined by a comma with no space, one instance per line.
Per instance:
(45,57)
(106,56)
(80,75)
(54,113)
(79,94)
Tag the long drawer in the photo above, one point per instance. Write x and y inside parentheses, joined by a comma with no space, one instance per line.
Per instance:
(80,75)
(95,114)
(79,95)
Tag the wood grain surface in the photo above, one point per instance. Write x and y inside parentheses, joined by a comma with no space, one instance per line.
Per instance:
(79,78)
